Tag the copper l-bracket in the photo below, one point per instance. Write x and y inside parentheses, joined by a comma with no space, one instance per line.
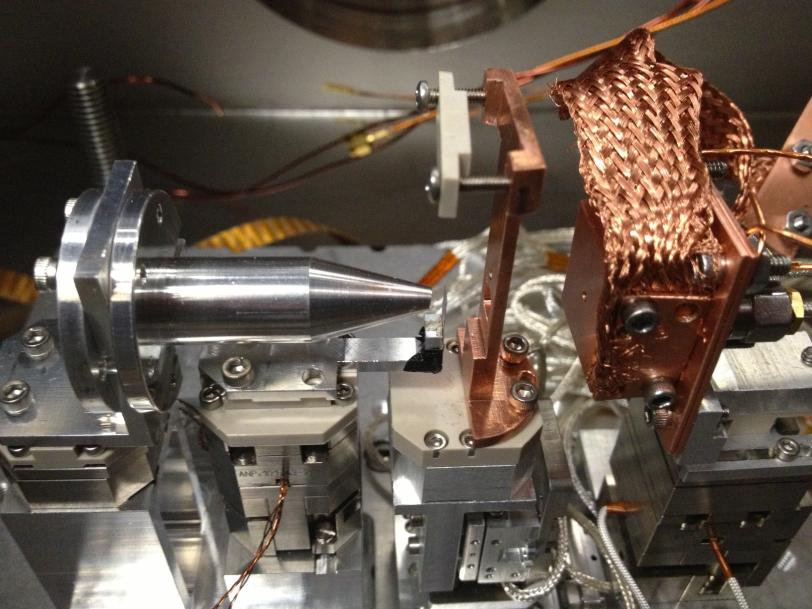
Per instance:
(488,378)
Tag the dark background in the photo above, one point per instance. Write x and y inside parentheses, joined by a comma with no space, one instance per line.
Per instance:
(270,75)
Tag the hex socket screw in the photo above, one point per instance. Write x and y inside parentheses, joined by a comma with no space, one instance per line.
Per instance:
(15,397)
(515,348)
(427,97)
(524,393)
(37,342)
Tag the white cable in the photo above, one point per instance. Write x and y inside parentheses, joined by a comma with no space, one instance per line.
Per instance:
(738,594)
(548,584)
(569,445)
(615,558)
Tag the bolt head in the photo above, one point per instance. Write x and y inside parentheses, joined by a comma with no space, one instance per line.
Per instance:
(467,438)
(515,348)
(524,392)
(238,371)
(325,536)
(803,147)
(211,396)
(37,343)
(640,317)
(345,391)
(15,397)
(787,449)
(806,356)
(422,96)
(435,440)
(93,449)
(799,221)
(45,273)
(433,187)
(660,394)
(18,451)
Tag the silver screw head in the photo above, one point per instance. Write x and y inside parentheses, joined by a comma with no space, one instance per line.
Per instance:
(467,438)
(433,186)
(799,221)
(325,536)
(345,391)
(18,451)
(211,396)
(806,356)
(436,440)
(238,371)
(15,397)
(45,273)
(516,344)
(93,449)
(640,317)
(803,147)
(69,205)
(422,96)
(37,342)
(787,449)
(524,392)
(660,394)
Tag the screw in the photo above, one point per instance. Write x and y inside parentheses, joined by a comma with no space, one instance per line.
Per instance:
(18,451)
(717,168)
(659,418)
(414,546)
(93,449)
(453,346)
(787,449)
(37,342)
(467,438)
(238,371)
(798,221)
(211,396)
(706,268)
(15,396)
(803,147)
(524,393)
(436,440)
(470,183)
(345,391)
(640,317)
(806,356)
(660,393)
(45,273)
(426,97)
(69,205)
(515,348)
(325,536)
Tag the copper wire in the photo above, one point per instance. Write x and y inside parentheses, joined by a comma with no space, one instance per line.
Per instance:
(149,79)
(656,25)
(768,152)
(271,528)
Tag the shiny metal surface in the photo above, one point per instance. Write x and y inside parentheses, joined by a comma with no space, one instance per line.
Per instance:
(400,24)
(270,299)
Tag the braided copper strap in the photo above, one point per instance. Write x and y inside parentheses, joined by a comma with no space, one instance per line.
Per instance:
(723,125)
(636,119)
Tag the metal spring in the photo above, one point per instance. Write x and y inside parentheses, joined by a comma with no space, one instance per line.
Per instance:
(95,124)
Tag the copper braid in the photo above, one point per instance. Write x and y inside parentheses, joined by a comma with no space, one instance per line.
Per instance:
(638,122)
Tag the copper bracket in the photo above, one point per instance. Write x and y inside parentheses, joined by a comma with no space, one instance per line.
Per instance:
(487,377)
(692,331)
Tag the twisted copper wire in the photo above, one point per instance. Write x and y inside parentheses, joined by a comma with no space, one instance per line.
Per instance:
(637,122)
